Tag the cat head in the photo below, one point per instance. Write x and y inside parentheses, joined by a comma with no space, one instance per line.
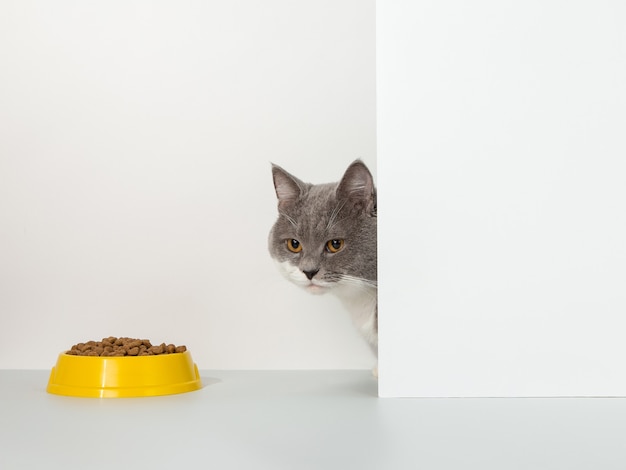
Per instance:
(325,234)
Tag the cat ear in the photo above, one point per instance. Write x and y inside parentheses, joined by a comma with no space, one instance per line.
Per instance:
(357,185)
(288,187)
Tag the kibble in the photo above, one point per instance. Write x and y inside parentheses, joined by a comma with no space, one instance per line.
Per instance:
(112,346)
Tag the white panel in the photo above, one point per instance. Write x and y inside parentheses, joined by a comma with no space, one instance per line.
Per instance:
(502,163)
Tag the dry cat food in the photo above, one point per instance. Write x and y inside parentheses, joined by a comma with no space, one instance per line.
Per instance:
(113,346)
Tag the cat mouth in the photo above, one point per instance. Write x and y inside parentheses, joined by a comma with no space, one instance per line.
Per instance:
(315,288)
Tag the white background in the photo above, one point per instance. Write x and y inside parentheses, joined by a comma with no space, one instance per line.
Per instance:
(135,185)
(502,170)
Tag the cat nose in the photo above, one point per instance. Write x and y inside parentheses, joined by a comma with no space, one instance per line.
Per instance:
(310,274)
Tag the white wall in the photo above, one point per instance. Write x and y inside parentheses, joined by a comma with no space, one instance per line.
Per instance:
(502,169)
(135,185)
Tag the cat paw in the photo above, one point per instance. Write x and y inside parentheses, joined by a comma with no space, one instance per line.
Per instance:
(375,372)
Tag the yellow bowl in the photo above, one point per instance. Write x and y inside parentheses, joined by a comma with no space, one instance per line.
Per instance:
(128,376)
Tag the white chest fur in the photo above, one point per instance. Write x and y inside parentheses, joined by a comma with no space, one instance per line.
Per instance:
(361,301)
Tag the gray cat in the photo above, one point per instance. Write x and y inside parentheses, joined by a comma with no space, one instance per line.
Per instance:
(325,240)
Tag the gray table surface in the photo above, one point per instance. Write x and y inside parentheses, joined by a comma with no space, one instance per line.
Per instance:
(302,420)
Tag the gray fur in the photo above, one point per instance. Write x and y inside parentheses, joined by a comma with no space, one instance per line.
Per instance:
(315,214)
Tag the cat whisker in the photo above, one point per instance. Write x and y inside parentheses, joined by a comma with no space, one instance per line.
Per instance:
(290,219)
(334,215)
(364,284)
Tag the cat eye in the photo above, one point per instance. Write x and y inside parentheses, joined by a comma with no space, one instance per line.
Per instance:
(294,245)
(333,246)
